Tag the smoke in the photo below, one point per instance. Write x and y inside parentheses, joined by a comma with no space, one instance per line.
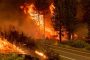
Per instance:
(42,4)
(10,11)
(12,14)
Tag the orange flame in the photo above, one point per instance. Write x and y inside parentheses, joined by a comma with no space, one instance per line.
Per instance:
(6,47)
(44,23)
(52,8)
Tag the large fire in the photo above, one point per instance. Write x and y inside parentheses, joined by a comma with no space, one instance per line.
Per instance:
(43,21)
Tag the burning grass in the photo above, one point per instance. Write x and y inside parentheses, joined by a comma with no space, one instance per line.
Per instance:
(7,47)
(15,41)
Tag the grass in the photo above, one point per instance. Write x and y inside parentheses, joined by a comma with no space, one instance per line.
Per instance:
(88,48)
(11,56)
(50,53)
(77,44)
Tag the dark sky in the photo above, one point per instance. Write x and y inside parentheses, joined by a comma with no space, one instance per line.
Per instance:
(42,4)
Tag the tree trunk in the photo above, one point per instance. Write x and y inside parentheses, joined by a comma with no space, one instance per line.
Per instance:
(60,34)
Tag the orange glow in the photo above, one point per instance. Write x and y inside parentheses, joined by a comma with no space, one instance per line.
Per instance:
(44,24)
(52,7)
(6,47)
(40,54)
(34,14)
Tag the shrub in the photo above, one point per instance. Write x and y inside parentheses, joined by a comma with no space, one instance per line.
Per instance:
(11,57)
(70,42)
(88,48)
(52,55)
(77,43)
(28,57)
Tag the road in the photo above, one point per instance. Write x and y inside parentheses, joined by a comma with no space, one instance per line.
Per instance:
(69,54)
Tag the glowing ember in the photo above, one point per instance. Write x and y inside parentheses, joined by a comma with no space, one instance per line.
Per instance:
(40,54)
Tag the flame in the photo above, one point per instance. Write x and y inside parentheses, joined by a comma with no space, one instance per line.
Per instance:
(44,24)
(34,14)
(43,21)
(6,47)
(52,8)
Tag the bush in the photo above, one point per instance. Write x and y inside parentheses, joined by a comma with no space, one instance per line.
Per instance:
(11,57)
(14,56)
(79,44)
(52,55)
(88,48)
(28,57)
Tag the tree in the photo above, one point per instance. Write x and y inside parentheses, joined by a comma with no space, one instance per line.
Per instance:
(57,17)
(86,6)
(65,15)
